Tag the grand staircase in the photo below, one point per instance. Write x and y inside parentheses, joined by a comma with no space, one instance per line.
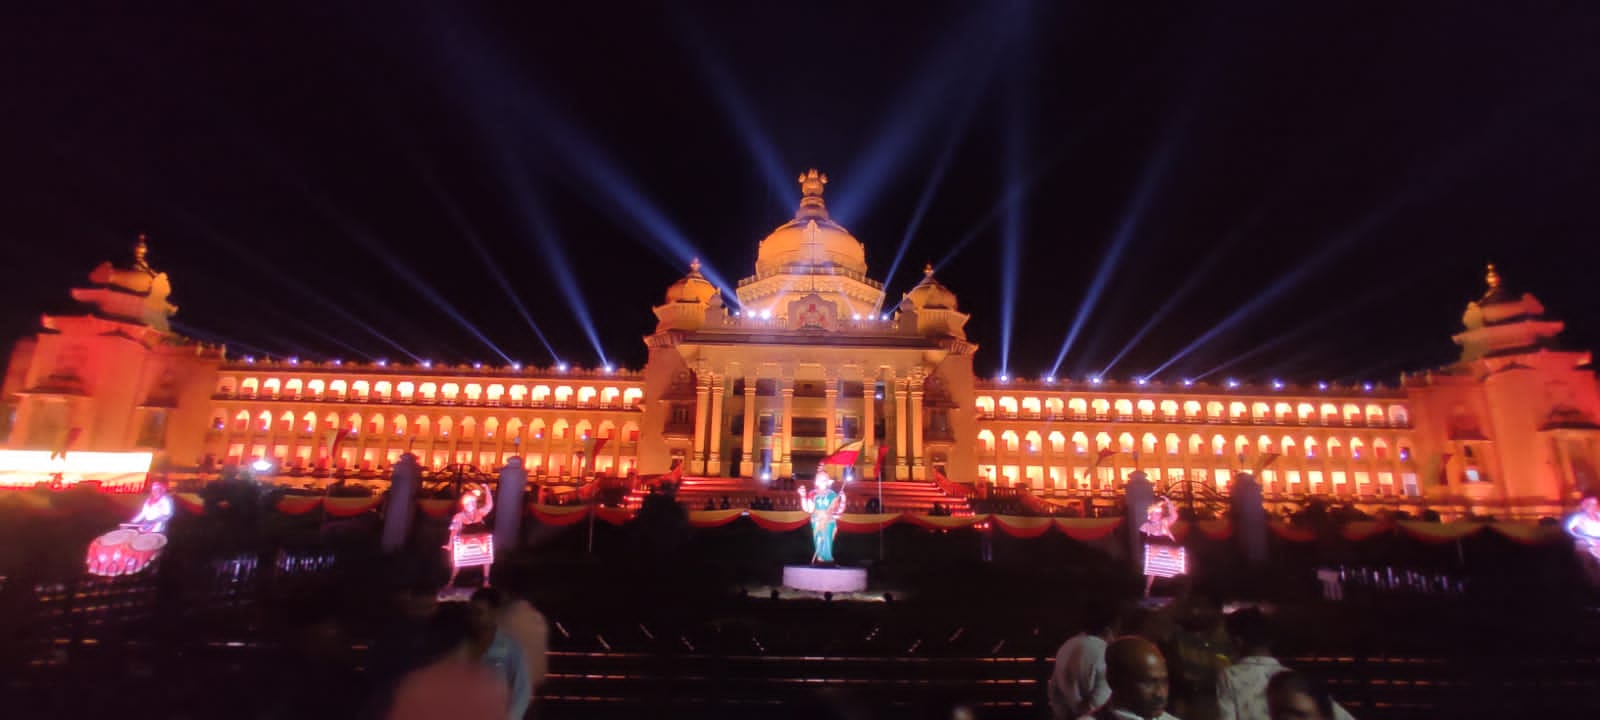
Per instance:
(699,493)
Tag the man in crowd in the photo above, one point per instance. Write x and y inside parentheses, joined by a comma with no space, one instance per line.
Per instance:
(1242,688)
(1078,683)
(456,684)
(1137,674)
(1296,696)
(505,655)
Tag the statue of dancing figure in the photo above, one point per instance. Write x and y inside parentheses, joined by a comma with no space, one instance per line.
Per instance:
(1584,527)
(468,522)
(825,505)
(1163,556)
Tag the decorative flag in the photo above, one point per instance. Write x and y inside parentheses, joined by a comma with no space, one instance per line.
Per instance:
(1444,468)
(1101,457)
(67,438)
(591,448)
(335,439)
(676,473)
(846,455)
(1266,460)
(877,468)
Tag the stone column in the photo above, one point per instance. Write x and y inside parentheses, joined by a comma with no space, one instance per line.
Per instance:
(902,461)
(403,483)
(786,432)
(869,444)
(697,451)
(831,402)
(918,472)
(508,504)
(714,461)
(747,467)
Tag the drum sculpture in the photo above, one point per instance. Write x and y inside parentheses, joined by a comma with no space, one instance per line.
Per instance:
(132,547)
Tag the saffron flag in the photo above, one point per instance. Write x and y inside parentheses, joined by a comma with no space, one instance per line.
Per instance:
(591,448)
(336,438)
(845,455)
(1101,457)
(67,438)
(1265,461)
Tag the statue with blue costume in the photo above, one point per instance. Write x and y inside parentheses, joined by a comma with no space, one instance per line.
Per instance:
(825,506)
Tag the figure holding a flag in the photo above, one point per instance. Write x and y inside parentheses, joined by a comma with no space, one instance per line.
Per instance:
(825,506)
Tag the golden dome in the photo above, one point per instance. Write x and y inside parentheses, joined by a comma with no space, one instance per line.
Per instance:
(692,288)
(811,239)
(930,293)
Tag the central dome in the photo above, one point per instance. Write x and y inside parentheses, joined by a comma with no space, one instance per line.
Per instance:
(811,241)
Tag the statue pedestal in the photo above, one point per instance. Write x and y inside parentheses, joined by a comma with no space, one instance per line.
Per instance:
(819,578)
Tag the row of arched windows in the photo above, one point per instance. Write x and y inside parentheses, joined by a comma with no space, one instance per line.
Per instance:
(1079,443)
(428,392)
(420,426)
(1056,408)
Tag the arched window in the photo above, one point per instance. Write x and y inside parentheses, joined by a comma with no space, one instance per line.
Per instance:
(1009,440)
(375,424)
(397,425)
(1031,441)
(490,427)
(1352,414)
(632,396)
(1174,444)
(406,390)
(450,392)
(1055,407)
(445,426)
(563,394)
(1008,407)
(586,396)
(1102,441)
(383,390)
(469,428)
(337,389)
(1288,446)
(1398,416)
(1124,407)
(1330,413)
(1197,445)
(1214,410)
(1147,408)
(308,422)
(1312,447)
(271,387)
(286,422)
(1375,415)
(1380,449)
(1149,444)
(1283,412)
(1356,448)
(1305,412)
(1264,445)
(1241,445)
(1080,443)
(541,394)
(1191,408)
(1078,406)
(1219,445)
(264,421)
(1101,407)
(1169,409)
(1058,442)
(360,389)
(1335,448)
(1260,412)
(293,388)
(609,396)
(1236,410)
(1125,442)
(1030,407)
(316,388)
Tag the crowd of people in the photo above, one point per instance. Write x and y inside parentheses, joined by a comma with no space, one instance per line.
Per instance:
(1105,674)
(478,660)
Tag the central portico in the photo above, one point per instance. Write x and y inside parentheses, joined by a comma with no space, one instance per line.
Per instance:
(810,360)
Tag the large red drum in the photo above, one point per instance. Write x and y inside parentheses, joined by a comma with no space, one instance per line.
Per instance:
(123,552)
(472,550)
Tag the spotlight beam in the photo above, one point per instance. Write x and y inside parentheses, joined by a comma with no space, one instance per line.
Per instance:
(293,283)
(725,89)
(941,166)
(1153,174)
(610,188)
(1189,284)
(467,231)
(1302,330)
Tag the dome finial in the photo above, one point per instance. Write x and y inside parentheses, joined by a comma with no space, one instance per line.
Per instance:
(1492,277)
(694,265)
(141,248)
(927,270)
(811,184)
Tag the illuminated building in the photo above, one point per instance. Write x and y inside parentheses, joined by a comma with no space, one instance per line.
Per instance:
(813,357)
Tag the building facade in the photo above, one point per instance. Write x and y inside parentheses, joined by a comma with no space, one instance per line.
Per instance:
(814,357)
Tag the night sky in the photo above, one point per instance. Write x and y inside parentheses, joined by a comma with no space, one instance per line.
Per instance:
(1310,190)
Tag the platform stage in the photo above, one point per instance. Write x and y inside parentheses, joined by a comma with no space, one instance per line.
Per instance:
(818,578)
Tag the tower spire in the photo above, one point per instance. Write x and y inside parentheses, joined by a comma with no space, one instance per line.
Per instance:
(811,185)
